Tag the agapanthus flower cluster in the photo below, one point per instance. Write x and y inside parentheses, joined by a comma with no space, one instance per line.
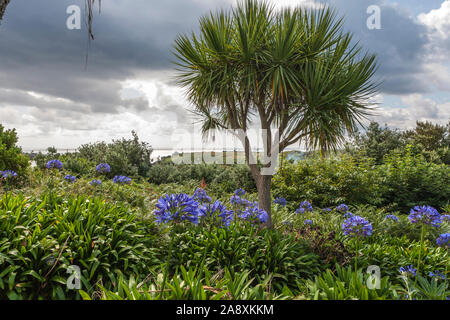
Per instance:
(103,168)
(254,214)
(310,222)
(392,217)
(121,180)
(95,182)
(425,215)
(201,195)
(357,226)
(217,213)
(177,208)
(54,164)
(281,201)
(342,207)
(348,215)
(437,275)
(304,207)
(8,174)
(408,270)
(70,178)
(443,240)
(238,201)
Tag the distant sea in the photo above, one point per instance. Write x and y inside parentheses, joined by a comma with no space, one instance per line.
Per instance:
(161,153)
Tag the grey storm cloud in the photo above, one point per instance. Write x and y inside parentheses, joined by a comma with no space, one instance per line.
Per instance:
(44,85)
(39,54)
(400,44)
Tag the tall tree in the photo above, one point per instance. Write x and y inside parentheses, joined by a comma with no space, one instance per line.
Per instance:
(295,70)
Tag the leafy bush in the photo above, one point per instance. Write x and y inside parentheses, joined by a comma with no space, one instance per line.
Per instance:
(129,157)
(189,284)
(430,140)
(225,178)
(11,157)
(409,180)
(401,182)
(392,253)
(348,284)
(241,247)
(330,181)
(41,238)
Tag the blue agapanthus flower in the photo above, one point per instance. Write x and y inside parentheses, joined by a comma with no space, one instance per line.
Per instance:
(8,174)
(310,222)
(392,217)
(281,201)
(443,240)
(326,209)
(348,215)
(70,178)
(239,192)
(54,164)
(304,207)
(103,168)
(408,270)
(177,208)
(425,215)
(216,213)
(342,207)
(95,182)
(201,195)
(357,226)
(254,214)
(445,217)
(437,275)
(121,180)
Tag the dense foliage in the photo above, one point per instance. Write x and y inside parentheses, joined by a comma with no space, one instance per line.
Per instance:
(200,234)
(430,140)
(403,180)
(11,157)
(130,157)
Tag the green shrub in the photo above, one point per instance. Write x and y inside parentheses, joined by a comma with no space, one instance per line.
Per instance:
(190,284)
(392,253)
(223,178)
(129,157)
(242,247)
(409,180)
(329,181)
(346,284)
(403,181)
(41,238)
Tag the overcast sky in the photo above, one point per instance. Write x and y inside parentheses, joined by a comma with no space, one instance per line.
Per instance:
(52,100)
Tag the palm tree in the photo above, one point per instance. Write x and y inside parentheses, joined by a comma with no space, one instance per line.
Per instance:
(3,5)
(295,70)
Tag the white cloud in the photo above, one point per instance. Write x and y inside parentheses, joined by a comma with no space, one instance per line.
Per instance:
(417,108)
(438,20)
(438,24)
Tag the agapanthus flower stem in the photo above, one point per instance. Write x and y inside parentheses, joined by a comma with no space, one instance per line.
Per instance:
(422,236)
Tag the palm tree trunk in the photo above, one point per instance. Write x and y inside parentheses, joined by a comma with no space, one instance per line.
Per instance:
(263,185)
